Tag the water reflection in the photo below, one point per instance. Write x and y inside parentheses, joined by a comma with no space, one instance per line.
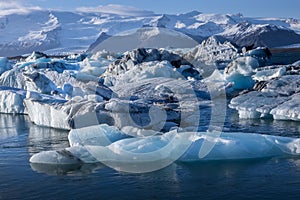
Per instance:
(70,170)
(264,126)
(12,126)
(43,139)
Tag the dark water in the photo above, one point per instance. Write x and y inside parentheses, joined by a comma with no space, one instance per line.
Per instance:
(276,178)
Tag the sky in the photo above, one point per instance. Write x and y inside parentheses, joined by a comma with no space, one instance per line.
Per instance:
(249,8)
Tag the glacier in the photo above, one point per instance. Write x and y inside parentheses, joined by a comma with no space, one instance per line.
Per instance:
(59,32)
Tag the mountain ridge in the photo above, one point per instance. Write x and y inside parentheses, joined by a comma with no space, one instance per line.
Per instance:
(59,32)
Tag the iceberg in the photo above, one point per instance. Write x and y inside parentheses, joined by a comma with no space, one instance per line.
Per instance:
(149,70)
(11,100)
(4,65)
(269,73)
(98,135)
(236,145)
(96,64)
(114,148)
(47,79)
(240,71)
(255,104)
(213,51)
(275,94)
(145,63)
(288,110)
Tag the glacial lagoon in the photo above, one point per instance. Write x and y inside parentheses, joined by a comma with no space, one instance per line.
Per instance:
(269,178)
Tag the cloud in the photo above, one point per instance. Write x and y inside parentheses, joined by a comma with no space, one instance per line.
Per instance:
(4,4)
(15,6)
(116,9)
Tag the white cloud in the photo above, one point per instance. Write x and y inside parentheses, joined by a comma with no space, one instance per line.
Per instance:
(4,4)
(116,9)
(14,6)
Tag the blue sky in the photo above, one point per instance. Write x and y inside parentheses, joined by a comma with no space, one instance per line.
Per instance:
(249,8)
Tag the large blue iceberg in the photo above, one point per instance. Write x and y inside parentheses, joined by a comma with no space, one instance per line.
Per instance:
(108,145)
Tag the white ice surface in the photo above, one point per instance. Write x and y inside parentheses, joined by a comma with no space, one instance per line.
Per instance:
(266,74)
(240,71)
(99,135)
(288,110)
(11,100)
(46,114)
(171,146)
(149,70)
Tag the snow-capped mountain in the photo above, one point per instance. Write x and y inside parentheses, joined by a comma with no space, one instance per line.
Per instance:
(59,32)
(270,35)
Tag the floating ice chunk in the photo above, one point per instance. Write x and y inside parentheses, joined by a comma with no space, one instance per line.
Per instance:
(286,85)
(58,113)
(46,112)
(94,97)
(93,68)
(230,146)
(262,54)
(97,64)
(110,146)
(227,146)
(46,82)
(288,110)
(11,100)
(99,135)
(144,154)
(213,51)
(4,65)
(67,156)
(150,70)
(82,154)
(40,83)
(276,98)
(54,157)
(265,74)
(35,55)
(256,104)
(13,78)
(138,132)
(240,71)
(146,63)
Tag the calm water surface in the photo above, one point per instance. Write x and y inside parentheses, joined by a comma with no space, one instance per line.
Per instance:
(276,178)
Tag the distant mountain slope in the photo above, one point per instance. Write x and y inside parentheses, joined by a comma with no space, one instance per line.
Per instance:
(246,34)
(58,32)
